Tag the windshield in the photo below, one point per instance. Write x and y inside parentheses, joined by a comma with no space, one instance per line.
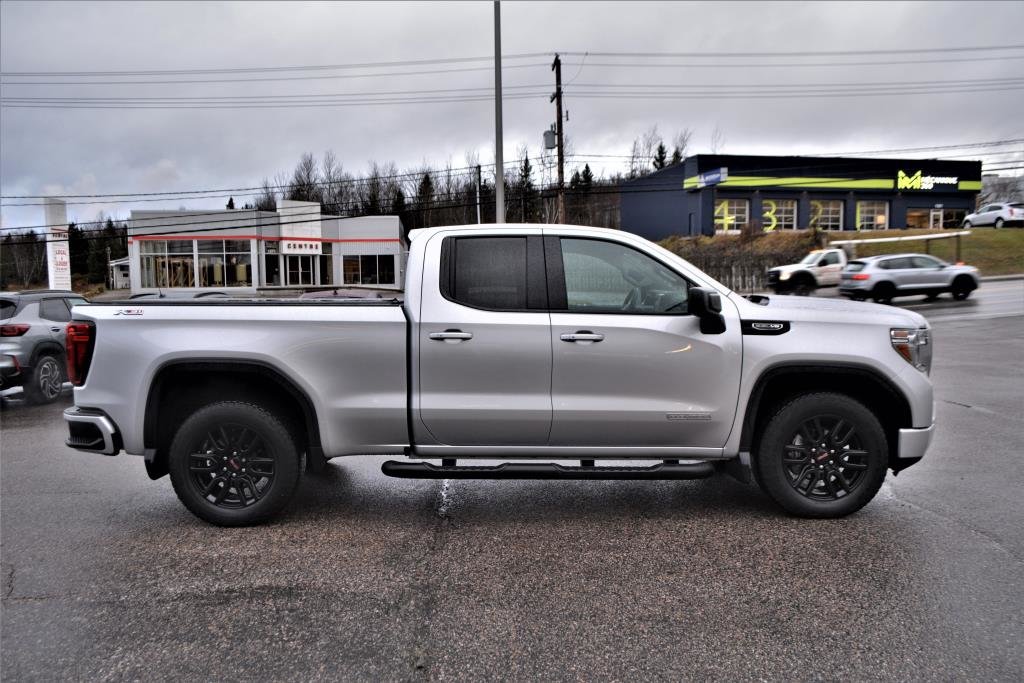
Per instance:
(812,257)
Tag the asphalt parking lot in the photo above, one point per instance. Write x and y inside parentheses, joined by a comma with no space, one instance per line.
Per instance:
(106,576)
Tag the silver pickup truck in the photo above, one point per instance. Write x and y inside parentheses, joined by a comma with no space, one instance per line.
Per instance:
(519,351)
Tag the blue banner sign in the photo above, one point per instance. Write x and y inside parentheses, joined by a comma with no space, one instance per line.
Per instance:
(708,178)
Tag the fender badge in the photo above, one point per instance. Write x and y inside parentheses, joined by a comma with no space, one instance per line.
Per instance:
(129,311)
(688,417)
(768,327)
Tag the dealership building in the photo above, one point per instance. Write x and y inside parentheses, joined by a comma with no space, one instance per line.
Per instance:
(293,247)
(710,193)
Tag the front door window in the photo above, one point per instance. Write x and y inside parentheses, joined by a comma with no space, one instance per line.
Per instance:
(300,270)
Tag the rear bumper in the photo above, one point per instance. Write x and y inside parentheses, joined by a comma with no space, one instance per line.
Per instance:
(91,430)
(914,442)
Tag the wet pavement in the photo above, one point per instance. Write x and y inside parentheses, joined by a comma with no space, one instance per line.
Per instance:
(106,576)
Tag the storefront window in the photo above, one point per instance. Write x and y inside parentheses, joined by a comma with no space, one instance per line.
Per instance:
(326,264)
(826,214)
(369,269)
(872,215)
(778,214)
(154,263)
(225,263)
(300,270)
(732,214)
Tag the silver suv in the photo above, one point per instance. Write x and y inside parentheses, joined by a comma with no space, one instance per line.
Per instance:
(997,215)
(33,325)
(883,277)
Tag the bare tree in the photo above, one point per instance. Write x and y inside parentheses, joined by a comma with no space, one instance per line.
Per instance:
(305,181)
(680,145)
(996,188)
(27,254)
(266,200)
(717,140)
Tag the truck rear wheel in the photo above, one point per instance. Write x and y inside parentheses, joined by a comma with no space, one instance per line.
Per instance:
(822,455)
(234,464)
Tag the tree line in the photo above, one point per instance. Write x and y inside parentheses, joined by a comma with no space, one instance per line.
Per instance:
(23,253)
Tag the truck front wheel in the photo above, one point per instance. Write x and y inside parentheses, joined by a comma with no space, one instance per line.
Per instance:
(822,455)
(234,464)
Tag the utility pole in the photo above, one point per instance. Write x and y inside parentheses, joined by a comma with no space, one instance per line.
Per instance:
(479,181)
(499,162)
(557,97)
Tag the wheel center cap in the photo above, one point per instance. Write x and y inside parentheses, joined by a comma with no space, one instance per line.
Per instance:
(234,464)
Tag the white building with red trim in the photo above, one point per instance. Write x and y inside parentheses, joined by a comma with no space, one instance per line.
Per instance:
(295,247)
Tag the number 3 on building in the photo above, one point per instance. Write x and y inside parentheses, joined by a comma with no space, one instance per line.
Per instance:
(770,221)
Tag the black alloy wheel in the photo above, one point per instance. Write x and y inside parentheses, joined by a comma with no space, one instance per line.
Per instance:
(822,455)
(883,293)
(824,459)
(232,467)
(234,464)
(962,287)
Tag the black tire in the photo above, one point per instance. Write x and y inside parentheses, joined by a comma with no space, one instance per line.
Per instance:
(967,225)
(931,296)
(998,223)
(883,293)
(847,473)
(45,381)
(962,287)
(258,471)
(803,285)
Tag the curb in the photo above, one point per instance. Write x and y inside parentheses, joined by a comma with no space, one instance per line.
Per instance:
(1000,278)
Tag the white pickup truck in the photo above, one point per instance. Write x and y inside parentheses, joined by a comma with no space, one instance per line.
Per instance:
(558,352)
(820,268)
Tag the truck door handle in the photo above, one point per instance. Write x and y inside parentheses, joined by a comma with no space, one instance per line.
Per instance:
(583,336)
(455,335)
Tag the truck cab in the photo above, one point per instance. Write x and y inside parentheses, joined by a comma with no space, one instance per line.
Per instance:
(820,268)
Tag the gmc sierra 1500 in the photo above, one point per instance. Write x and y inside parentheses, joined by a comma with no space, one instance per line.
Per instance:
(524,344)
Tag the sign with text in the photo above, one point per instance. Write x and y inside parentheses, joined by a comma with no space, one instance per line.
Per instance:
(919,181)
(58,257)
(709,178)
(301,231)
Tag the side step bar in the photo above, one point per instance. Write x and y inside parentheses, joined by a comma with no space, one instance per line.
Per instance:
(529,470)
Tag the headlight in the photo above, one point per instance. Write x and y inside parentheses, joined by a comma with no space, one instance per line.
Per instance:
(915,345)
(784,275)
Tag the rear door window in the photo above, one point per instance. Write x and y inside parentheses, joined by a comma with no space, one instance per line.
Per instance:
(493,273)
(55,310)
(7,309)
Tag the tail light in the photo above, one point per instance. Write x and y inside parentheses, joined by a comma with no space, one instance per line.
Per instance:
(80,342)
(13,330)
(861,276)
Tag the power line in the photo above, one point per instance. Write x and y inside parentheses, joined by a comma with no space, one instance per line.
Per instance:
(802,53)
(889,63)
(275,69)
(386,74)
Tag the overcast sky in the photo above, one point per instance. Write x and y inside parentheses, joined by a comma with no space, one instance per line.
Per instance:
(83,151)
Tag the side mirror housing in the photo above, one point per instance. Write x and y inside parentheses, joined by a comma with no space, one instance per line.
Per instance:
(707,306)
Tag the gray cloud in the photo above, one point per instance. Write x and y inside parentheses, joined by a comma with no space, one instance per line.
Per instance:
(81,151)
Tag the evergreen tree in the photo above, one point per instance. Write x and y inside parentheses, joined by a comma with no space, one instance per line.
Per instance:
(97,270)
(660,157)
(424,198)
(78,250)
(677,156)
(231,203)
(586,178)
(527,192)
(398,202)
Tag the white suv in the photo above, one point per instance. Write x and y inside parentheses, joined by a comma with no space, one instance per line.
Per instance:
(997,215)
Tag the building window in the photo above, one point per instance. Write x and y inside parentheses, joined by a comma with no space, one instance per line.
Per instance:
(778,214)
(300,269)
(826,214)
(732,214)
(369,269)
(872,215)
(154,263)
(326,264)
(225,263)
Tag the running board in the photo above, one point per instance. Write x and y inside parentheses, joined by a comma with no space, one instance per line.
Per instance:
(529,470)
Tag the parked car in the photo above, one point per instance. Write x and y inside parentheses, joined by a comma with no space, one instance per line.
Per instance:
(820,268)
(535,343)
(884,277)
(33,326)
(997,215)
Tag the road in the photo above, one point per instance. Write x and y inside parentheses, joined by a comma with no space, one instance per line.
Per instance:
(106,576)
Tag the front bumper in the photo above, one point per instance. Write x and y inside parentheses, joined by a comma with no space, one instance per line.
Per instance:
(91,430)
(914,442)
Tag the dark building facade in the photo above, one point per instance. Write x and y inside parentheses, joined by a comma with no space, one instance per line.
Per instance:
(798,193)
